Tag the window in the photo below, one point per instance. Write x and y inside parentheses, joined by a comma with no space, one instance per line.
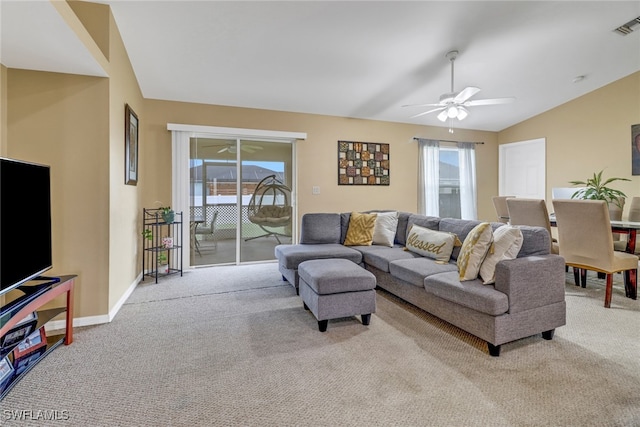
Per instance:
(449,183)
(447,179)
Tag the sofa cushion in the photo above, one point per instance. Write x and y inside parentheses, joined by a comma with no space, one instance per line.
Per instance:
(472,293)
(332,276)
(434,244)
(507,241)
(536,241)
(290,256)
(380,256)
(384,232)
(474,251)
(360,231)
(401,231)
(430,222)
(320,228)
(415,270)
(460,227)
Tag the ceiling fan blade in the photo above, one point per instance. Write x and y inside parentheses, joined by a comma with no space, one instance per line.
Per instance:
(427,112)
(492,101)
(422,105)
(465,94)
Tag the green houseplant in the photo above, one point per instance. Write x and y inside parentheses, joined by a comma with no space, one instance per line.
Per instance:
(596,188)
(167,214)
(163,266)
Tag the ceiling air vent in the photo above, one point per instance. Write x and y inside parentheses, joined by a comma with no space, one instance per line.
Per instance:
(628,27)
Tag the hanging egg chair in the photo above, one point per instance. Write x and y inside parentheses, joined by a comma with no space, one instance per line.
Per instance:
(270,208)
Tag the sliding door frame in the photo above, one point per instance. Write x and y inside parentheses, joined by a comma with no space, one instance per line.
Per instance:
(181,135)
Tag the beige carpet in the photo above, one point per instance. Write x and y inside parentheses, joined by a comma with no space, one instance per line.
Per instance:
(233,346)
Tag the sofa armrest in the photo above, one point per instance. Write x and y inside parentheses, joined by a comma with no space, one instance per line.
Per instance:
(530,282)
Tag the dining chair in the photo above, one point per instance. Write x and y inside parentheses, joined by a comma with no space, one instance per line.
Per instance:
(634,209)
(584,230)
(633,216)
(531,212)
(500,204)
(615,214)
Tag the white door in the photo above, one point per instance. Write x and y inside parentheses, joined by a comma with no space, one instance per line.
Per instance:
(522,169)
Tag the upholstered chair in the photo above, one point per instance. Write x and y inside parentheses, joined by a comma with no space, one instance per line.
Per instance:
(584,230)
(531,212)
(615,214)
(633,216)
(500,204)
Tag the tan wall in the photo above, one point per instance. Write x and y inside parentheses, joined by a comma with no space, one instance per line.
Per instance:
(3,110)
(62,120)
(317,155)
(586,135)
(125,212)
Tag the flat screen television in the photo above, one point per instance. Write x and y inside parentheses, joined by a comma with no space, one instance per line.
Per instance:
(25,222)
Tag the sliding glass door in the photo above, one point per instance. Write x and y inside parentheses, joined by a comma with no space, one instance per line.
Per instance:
(240,194)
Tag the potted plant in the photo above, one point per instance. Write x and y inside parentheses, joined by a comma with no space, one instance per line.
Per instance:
(167,214)
(596,188)
(147,234)
(163,266)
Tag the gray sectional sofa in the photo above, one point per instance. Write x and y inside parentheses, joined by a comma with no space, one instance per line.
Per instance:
(527,299)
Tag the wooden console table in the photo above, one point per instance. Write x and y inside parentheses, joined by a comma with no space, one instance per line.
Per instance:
(19,355)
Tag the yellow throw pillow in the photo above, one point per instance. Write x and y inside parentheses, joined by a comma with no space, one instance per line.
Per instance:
(474,250)
(431,243)
(507,241)
(360,231)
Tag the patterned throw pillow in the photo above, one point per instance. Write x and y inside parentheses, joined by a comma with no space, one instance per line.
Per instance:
(360,231)
(507,241)
(431,243)
(474,250)
(384,232)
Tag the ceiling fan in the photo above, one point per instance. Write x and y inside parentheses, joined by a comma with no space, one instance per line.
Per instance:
(247,148)
(454,105)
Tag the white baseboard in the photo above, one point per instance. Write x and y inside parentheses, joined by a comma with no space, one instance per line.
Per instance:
(57,325)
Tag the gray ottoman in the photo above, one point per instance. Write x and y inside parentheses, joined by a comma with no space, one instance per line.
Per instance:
(334,288)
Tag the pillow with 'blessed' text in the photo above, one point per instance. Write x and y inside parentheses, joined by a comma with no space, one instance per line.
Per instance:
(431,243)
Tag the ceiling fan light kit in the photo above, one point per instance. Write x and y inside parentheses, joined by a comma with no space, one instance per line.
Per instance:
(453,105)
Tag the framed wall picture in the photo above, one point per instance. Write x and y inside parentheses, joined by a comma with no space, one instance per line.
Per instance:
(363,163)
(635,149)
(130,146)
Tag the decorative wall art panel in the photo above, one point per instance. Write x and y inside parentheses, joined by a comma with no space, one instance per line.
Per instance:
(363,163)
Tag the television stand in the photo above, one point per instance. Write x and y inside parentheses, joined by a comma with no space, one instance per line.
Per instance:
(23,341)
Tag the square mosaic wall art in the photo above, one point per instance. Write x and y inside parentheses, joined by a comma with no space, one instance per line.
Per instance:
(363,163)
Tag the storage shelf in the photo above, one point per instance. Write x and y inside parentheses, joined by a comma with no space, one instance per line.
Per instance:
(159,229)
(23,343)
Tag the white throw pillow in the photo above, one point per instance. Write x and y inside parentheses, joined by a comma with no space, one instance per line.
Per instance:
(507,241)
(384,232)
(431,243)
(474,251)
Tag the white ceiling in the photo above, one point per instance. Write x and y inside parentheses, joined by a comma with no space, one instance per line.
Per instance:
(347,58)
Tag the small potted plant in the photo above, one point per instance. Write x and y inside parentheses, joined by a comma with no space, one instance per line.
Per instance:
(167,214)
(163,266)
(147,234)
